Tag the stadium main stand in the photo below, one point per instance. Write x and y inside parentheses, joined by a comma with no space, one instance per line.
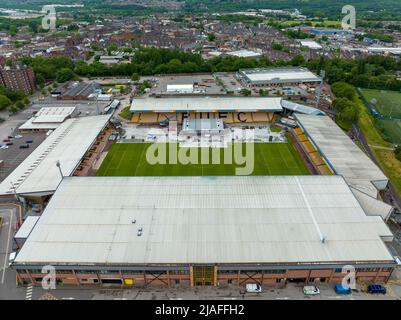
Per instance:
(311,152)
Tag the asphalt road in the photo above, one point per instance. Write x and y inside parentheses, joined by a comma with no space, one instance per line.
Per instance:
(8,288)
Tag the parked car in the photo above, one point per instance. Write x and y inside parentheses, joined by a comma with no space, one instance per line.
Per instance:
(6,140)
(10,137)
(11,258)
(311,290)
(24,146)
(342,290)
(28,141)
(253,288)
(18,136)
(3,147)
(9,143)
(376,288)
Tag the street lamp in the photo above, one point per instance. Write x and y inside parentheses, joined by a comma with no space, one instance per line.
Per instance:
(97,98)
(58,165)
(322,75)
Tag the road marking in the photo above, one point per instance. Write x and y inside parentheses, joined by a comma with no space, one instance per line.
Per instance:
(29,292)
(8,246)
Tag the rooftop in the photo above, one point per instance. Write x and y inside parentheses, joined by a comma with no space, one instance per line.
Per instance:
(258,219)
(342,154)
(48,118)
(26,227)
(77,89)
(311,44)
(206,104)
(279,75)
(300,108)
(245,54)
(38,173)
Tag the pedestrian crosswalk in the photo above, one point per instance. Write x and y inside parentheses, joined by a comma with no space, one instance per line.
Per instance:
(29,292)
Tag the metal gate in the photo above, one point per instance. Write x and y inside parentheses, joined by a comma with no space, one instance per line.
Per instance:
(203,275)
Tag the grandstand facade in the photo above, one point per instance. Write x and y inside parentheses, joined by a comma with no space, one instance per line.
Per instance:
(193,231)
(229,109)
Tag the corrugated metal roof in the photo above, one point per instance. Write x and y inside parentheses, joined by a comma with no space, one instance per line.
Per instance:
(206,104)
(279,74)
(310,44)
(48,118)
(68,144)
(300,108)
(26,227)
(245,54)
(204,220)
(342,154)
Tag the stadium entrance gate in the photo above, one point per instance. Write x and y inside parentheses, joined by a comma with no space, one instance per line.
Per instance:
(203,275)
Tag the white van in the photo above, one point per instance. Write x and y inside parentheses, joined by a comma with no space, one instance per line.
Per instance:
(253,288)
(11,258)
(311,290)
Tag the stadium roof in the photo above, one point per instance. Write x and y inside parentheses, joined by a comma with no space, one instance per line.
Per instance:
(252,219)
(279,75)
(38,173)
(300,108)
(206,104)
(342,154)
(48,118)
(27,227)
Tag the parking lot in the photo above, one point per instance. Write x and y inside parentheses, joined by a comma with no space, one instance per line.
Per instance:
(13,156)
(206,84)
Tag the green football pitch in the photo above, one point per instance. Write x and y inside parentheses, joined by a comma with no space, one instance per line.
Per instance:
(130,159)
(388,103)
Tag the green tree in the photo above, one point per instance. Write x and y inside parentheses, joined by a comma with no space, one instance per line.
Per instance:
(13,109)
(40,80)
(344,90)
(135,77)
(277,46)
(263,92)
(211,37)
(298,60)
(20,105)
(397,152)
(64,75)
(5,102)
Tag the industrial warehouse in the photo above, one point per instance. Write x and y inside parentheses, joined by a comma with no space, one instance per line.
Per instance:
(193,231)
(277,77)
